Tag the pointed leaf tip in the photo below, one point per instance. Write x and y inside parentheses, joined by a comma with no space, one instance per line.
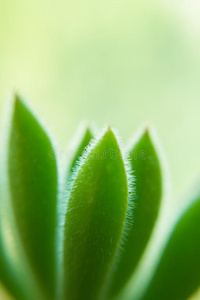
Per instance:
(109,134)
(85,140)
(17,100)
(146,130)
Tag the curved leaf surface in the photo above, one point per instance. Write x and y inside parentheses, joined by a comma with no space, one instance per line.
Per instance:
(95,219)
(178,274)
(147,170)
(33,185)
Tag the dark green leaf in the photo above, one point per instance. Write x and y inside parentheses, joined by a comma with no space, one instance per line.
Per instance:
(95,219)
(178,275)
(33,185)
(145,162)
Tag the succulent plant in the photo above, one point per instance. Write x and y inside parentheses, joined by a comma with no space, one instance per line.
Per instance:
(101,229)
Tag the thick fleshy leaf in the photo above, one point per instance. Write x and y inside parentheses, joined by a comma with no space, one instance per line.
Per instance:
(33,185)
(95,219)
(84,142)
(15,273)
(178,274)
(14,281)
(7,278)
(145,163)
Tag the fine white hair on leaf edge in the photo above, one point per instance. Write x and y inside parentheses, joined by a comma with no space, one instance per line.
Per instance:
(129,221)
(70,184)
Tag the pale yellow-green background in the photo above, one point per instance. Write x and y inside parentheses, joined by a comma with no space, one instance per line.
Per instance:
(126,63)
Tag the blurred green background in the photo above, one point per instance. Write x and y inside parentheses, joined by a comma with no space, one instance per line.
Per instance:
(126,63)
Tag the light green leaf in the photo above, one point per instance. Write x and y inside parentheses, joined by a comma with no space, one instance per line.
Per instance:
(95,219)
(17,281)
(85,140)
(33,185)
(7,278)
(145,163)
(178,274)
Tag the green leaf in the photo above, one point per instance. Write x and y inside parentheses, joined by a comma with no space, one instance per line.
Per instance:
(33,185)
(15,274)
(7,278)
(145,162)
(95,219)
(178,274)
(13,284)
(86,139)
